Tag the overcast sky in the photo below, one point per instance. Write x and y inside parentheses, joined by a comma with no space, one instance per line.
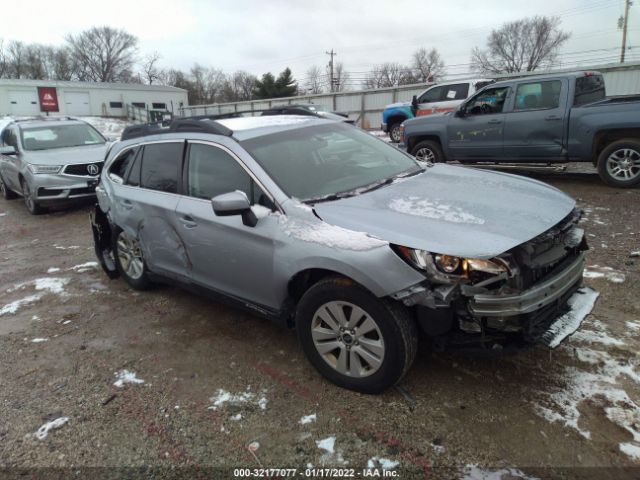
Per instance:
(268,35)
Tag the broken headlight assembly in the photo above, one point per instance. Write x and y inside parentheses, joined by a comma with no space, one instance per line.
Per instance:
(451,269)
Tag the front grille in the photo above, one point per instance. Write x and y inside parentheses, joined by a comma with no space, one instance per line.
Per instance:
(542,256)
(82,169)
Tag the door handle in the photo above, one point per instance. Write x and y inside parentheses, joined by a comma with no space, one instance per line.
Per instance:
(127,204)
(188,221)
(552,118)
(494,122)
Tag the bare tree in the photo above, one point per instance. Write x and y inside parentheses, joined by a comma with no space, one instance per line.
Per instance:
(238,87)
(388,75)
(149,68)
(207,84)
(523,45)
(16,59)
(3,60)
(340,78)
(104,54)
(316,81)
(35,62)
(428,65)
(62,64)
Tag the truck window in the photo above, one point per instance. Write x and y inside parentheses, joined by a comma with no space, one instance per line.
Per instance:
(459,91)
(432,95)
(538,95)
(589,89)
(488,101)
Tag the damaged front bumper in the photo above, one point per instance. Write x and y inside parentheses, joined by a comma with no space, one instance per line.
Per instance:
(456,314)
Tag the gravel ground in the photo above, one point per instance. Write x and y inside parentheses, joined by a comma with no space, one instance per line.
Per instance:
(205,388)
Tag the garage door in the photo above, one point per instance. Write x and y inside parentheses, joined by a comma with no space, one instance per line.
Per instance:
(23,102)
(77,103)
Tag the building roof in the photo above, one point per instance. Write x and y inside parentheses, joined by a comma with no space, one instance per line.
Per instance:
(10,82)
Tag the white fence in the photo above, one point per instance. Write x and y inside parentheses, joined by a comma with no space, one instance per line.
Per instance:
(366,106)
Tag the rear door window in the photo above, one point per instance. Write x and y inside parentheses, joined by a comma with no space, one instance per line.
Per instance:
(160,166)
(459,91)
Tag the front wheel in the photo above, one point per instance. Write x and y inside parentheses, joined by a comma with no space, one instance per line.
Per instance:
(395,132)
(354,339)
(619,163)
(29,198)
(428,151)
(130,262)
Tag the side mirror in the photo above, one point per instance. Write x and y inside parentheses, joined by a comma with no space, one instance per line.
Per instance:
(414,105)
(461,111)
(8,150)
(234,203)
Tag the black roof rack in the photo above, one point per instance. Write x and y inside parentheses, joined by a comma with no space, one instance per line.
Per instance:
(193,125)
(43,118)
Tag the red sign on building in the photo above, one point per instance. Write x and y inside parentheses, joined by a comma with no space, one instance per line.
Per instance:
(48,99)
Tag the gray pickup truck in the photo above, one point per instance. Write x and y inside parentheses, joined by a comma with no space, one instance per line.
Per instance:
(539,119)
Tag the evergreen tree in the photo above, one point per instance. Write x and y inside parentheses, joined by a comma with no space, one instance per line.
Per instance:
(270,87)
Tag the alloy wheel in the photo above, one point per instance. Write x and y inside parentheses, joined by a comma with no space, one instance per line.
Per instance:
(348,339)
(624,164)
(130,255)
(426,155)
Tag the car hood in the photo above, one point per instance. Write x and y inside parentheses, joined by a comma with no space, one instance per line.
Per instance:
(67,156)
(398,104)
(453,210)
(435,118)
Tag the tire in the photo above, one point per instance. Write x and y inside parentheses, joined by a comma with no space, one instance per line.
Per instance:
(386,329)
(129,260)
(6,192)
(394,132)
(619,163)
(27,195)
(428,151)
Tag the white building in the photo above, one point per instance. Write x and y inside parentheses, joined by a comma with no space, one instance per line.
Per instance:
(36,97)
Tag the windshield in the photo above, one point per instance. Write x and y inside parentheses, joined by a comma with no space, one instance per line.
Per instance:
(60,136)
(324,160)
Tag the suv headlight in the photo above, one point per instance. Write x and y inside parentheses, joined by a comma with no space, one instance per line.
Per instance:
(451,269)
(44,169)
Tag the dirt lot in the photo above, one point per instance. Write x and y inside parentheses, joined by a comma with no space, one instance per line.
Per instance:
(216,380)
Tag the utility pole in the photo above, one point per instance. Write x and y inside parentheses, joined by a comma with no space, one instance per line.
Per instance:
(625,21)
(331,81)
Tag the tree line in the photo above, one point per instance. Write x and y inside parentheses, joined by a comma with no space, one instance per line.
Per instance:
(106,54)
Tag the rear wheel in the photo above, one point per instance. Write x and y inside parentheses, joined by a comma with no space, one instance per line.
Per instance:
(619,163)
(395,133)
(428,151)
(354,339)
(6,192)
(29,198)
(130,262)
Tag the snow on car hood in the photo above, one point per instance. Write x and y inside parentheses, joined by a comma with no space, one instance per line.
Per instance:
(67,156)
(453,210)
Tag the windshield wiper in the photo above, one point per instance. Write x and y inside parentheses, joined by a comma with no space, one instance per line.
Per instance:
(389,181)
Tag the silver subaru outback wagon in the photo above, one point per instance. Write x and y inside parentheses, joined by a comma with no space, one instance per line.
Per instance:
(355,244)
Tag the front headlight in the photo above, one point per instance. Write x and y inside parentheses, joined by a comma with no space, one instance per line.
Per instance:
(451,269)
(44,169)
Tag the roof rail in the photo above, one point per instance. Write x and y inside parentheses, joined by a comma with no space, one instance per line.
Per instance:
(43,118)
(178,125)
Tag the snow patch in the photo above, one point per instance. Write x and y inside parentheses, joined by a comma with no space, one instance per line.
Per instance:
(41,285)
(328,235)
(608,273)
(307,419)
(421,207)
(384,463)
(53,270)
(260,211)
(84,267)
(581,304)
(125,376)
(39,340)
(44,430)
(222,396)
(473,472)
(330,456)
(631,450)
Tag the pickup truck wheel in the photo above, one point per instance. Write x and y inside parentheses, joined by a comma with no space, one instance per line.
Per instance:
(130,262)
(428,151)
(619,163)
(394,132)
(6,192)
(354,339)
